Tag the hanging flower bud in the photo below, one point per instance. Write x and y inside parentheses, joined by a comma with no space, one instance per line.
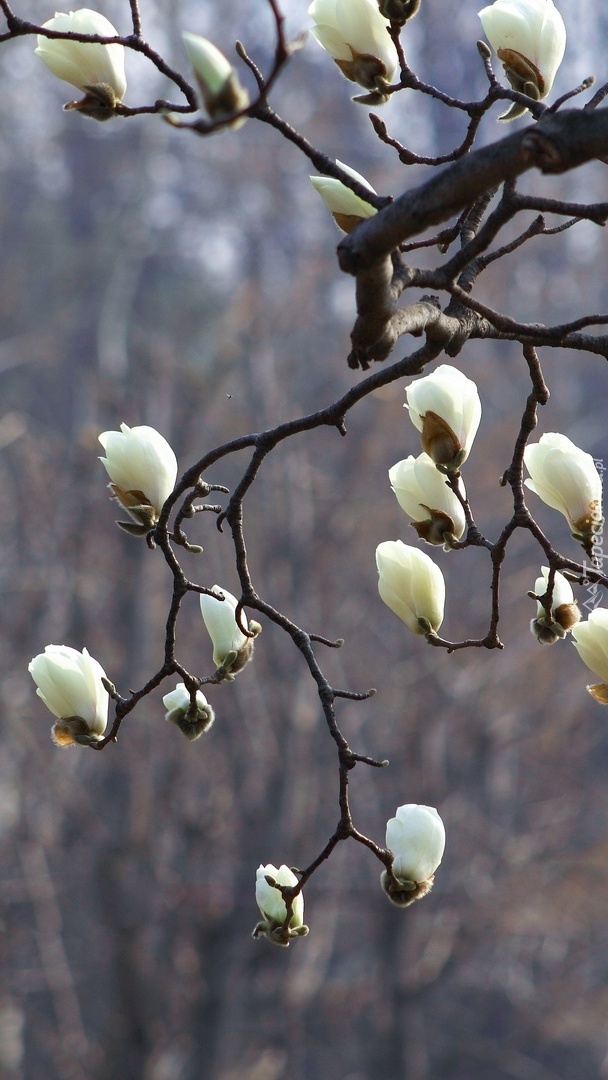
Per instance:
(346,207)
(191,721)
(70,684)
(565,477)
(416,838)
(143,470)
(356,35)
(591,643)
(529,37)
(411,585)
(98,70)
(232,649)
(548,629)
(218,82)
(273,907)
(446,409)
(423,493)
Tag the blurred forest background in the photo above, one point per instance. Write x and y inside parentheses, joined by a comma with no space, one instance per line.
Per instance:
(152,277)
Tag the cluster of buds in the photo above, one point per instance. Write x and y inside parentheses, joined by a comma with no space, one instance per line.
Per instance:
(445,408)
(143,468)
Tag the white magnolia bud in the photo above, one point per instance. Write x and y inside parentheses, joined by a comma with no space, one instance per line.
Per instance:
(529,37)
(143,470)
(346,207)
(356,35)
(416,838)
(424,495)
(565,478)
(232,649)
(564,614)
(217,80)
(273,907)
(591,643)
(191,722)
(446,409)
(70,684)
(98,70)
(411,585)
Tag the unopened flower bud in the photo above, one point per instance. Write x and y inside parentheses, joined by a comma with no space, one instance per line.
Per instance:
(143,470)
(71,685)
(98,70)
(424,494)
(529,37)
(191,720)
(217,80)
(566,478)
(232,648)
(346,208)
(273,907)
(564,614)
(411,585)
(356,35)
(591,643)
(446,409)
(416,838)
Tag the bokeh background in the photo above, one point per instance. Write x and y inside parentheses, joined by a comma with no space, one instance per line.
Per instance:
(150,276)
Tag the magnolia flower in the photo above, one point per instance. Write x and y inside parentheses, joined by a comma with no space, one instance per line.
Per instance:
(273,907)
(446,409)
(143,469)
(591,643)
(529,37)
(191,722)
(356,35)
(217,80)
(346,207)
(565,477)
(423,493)
(416,839)
(232,648)
(70,684)
(564,614)
(98,70)
(411,585)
